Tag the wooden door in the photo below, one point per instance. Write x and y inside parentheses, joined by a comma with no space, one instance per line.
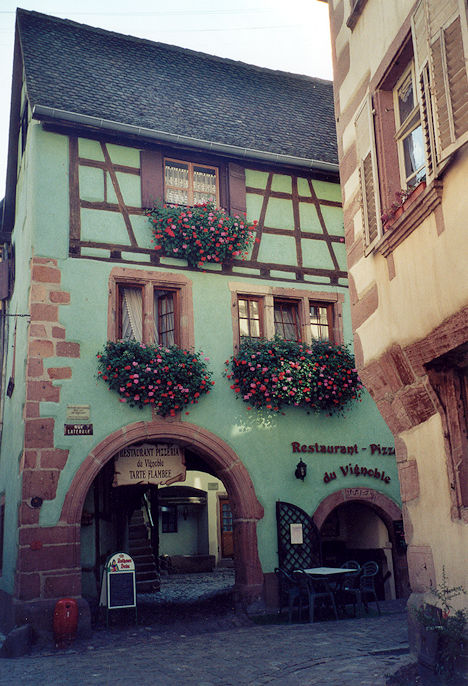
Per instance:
(225,518)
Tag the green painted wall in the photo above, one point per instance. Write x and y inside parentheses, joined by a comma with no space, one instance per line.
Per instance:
(263,443)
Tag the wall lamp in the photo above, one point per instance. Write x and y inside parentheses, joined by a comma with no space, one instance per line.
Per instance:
(301,470)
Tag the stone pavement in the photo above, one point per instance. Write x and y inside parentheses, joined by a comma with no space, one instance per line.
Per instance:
(191,634)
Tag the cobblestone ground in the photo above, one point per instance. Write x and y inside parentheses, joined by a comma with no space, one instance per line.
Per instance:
(190,633)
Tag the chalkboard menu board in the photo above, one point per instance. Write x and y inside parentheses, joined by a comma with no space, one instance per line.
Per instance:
(121,590)
(118,587)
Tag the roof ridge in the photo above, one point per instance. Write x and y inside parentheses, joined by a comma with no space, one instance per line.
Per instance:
(168,46)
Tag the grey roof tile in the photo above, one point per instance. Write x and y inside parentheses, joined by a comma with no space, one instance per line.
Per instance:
(129,80)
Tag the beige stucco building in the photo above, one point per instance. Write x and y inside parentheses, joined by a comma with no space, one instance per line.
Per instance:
(401,98)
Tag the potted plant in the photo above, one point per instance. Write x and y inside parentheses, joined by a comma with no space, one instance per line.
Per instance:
(442,629)
(269,374)
(403,199)
(167,379)
(200,233)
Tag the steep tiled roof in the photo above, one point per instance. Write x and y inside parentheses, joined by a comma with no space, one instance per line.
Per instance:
(137,82)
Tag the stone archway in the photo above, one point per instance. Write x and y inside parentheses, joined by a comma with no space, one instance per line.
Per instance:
(218,455)
(386,509)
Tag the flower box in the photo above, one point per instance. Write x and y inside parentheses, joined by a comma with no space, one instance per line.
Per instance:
(269,374)
(403,201)
(167,379)
(200,234)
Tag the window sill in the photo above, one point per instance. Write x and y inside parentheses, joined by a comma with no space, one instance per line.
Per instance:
(410,219)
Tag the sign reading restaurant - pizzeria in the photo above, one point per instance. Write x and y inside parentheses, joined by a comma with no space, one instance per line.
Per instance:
(160,464)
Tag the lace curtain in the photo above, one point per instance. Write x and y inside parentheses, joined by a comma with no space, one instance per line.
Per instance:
(132,314)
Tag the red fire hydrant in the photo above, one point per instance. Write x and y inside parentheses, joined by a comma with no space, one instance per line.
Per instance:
(65,622)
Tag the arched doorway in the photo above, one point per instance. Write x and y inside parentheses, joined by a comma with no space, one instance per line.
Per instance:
(372,527)
(218,456)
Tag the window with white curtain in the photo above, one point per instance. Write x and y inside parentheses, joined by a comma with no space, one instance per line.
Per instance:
(186,183)
(132,308)
(287,320)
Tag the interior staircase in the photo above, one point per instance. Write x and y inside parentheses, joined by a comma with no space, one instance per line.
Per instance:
(146,571)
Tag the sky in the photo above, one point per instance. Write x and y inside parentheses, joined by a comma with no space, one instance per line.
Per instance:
(290,35)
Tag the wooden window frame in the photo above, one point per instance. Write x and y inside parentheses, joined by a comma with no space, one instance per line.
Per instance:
(268,295)
(259,300)
(296,310)
(175,300)
(190,190)
(330,317)
(231,177)
(148,292)
(150,282)
(406,127)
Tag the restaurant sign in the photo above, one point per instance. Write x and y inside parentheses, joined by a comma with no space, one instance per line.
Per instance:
(160,464)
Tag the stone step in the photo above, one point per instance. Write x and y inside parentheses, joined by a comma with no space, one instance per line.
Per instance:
(148,586)
(137,532)
(139,543)
(143,557)
(146,576)
(145,567)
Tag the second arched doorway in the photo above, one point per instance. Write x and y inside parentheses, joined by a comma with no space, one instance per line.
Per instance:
(363,524)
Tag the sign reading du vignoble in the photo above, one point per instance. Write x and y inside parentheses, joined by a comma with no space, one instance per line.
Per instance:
(161,464)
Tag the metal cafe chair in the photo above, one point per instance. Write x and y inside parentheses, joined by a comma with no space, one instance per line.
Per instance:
(349,587)
(317,590)
(289,588)
(369,571)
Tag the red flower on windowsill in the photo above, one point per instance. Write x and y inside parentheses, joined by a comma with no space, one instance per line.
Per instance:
(167,379)
(403,199)
(200,233)
(320,377)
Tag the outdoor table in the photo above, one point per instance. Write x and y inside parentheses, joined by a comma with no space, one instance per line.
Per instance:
(329,573)
(332,576)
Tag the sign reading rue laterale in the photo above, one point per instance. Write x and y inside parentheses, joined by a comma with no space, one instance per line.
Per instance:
(78,430)
(160,464)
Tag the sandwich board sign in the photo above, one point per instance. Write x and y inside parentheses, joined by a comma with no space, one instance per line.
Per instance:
(118,588)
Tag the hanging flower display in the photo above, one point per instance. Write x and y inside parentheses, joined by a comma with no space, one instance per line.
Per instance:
(273,373)
(200,234)
(167,379)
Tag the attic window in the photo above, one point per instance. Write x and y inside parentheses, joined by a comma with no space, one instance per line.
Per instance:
(186,183)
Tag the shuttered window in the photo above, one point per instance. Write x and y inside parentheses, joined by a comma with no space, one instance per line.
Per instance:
(368,173)
(440,37)
(430,111)
(184,181)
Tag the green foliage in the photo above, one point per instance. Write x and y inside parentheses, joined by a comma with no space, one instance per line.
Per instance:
(448,623)
(200,234)
(273,373)
(167,379)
